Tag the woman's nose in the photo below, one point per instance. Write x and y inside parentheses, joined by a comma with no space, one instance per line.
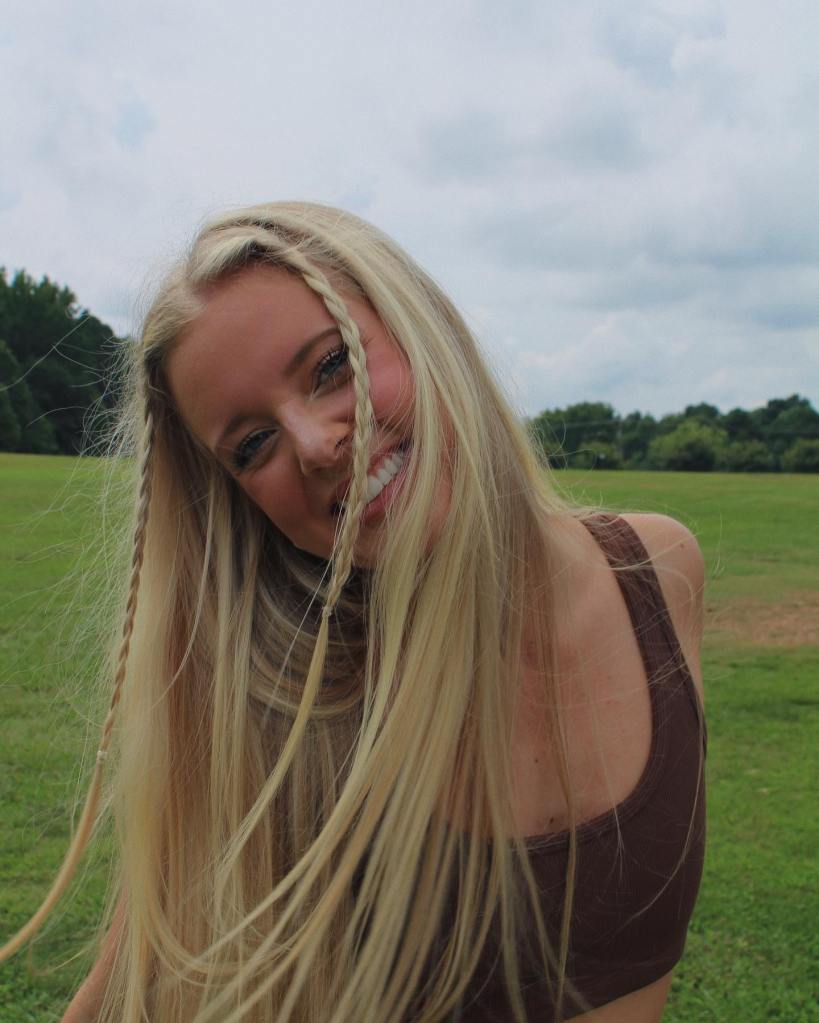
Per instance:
(317,444)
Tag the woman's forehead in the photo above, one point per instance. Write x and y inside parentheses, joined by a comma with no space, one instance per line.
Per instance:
(243,337)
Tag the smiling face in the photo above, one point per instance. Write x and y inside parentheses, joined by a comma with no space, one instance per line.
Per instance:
(261,379)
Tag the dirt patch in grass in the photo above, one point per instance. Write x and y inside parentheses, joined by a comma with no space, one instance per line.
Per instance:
(790,622)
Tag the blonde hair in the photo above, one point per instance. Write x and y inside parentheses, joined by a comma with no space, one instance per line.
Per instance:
(292,731)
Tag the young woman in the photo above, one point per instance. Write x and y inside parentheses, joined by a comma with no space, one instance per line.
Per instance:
(401,734)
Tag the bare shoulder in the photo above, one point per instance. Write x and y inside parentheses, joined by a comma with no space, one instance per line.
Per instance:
(670,545)
(678,561)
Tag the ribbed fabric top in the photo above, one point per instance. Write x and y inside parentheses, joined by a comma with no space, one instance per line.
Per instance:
(639,865)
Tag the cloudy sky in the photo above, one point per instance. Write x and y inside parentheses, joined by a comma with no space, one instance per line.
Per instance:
(622,196)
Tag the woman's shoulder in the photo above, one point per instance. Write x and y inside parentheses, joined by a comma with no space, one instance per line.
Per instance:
(667,538)
(678,561)
(602,686)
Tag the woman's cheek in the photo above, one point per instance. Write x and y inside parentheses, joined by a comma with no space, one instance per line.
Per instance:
(281,504)
(392,392)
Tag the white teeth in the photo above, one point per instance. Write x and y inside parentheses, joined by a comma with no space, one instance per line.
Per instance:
(384,473)
(374,487)
(376,481)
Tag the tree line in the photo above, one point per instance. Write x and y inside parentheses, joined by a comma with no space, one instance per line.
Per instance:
(780,436)
(56,364)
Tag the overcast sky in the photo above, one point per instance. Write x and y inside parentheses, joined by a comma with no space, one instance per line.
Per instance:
(621,196)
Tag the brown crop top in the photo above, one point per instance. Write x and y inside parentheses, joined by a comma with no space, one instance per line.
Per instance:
(633,896)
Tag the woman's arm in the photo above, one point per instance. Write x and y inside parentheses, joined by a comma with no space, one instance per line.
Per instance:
(86,1004)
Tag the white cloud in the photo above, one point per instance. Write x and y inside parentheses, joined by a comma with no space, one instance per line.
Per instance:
(623,202)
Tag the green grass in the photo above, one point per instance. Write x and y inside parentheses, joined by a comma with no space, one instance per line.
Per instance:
(752,949)
(757,532)
(47,646)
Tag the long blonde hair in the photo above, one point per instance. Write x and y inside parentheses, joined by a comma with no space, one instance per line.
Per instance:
(314,759)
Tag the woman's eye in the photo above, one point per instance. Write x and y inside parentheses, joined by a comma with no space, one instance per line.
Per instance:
(249,448)
(330,365)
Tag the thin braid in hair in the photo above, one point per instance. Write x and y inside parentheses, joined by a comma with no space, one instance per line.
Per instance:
(143,505)
(343,559)
(88,818)
(261,243)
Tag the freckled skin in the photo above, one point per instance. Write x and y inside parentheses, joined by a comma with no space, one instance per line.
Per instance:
(231,361)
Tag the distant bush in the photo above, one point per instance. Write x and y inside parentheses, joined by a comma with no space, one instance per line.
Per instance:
(597,455)
(747,456)
(803,456)
(693,446)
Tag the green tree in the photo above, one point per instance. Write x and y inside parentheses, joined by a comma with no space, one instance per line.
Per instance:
(740,425)
(597,454)
(544,430)
(62,352)
(747,456)
(797,422)
(566,434)
(670,422)
(766,414)
(9,427)
(33,431)
(784,420)
(692,446)
(703,413)
(803,456)
(636,433)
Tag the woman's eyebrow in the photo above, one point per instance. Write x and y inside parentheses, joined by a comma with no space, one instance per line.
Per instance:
(296,361)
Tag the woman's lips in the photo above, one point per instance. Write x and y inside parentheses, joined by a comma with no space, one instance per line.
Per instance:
(372,507)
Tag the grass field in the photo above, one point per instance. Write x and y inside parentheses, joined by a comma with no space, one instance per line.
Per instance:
(752,951)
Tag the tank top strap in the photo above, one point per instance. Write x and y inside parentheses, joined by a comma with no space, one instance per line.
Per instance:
(650,618)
